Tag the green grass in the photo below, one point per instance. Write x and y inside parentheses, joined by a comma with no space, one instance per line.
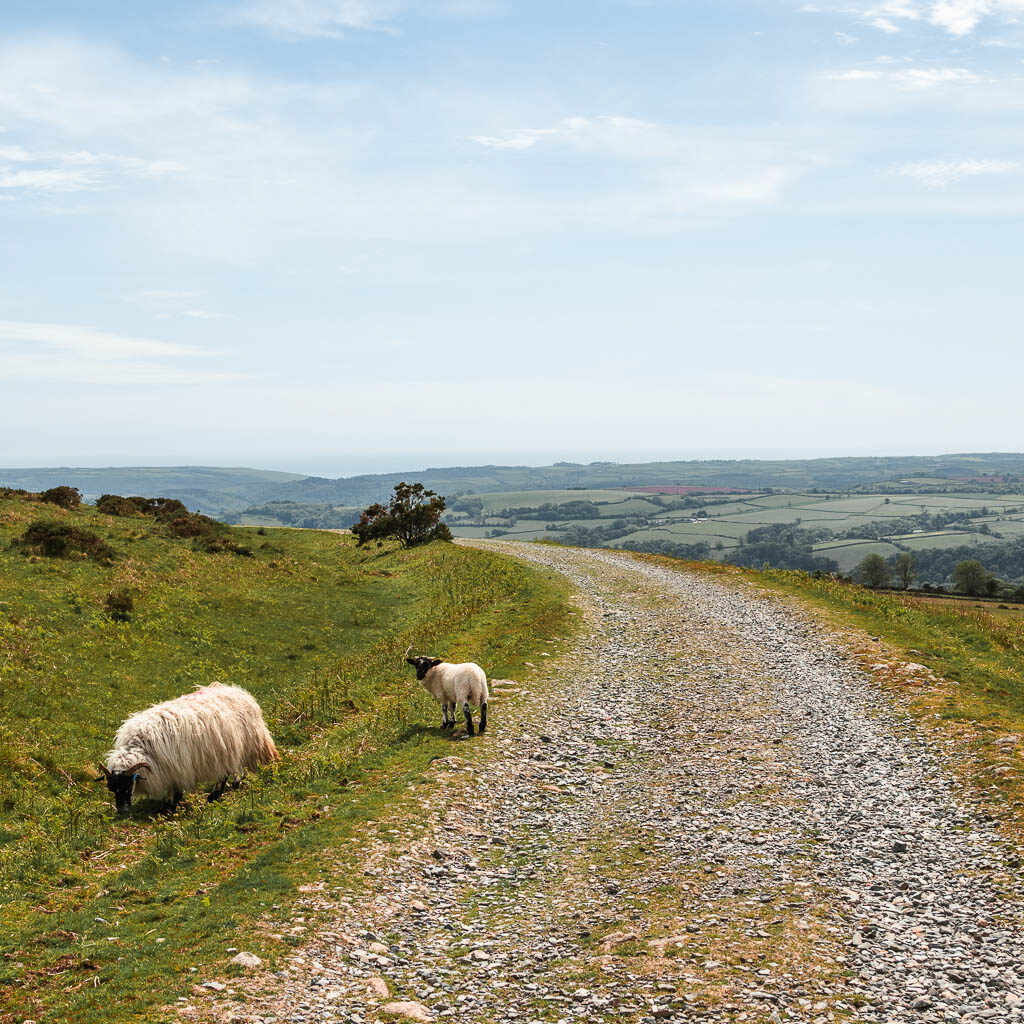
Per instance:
(315,629)
(531,499)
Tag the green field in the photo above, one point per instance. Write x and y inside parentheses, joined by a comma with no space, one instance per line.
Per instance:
(725,522)
(105,918)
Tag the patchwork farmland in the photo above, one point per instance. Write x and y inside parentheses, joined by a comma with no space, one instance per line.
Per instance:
(723,521)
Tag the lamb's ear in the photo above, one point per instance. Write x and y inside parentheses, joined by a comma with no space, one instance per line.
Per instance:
(410,661)
(434,662)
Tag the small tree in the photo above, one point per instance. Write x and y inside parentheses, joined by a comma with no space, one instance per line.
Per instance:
(971,577)
(412,516)
(905,568)
(874,571)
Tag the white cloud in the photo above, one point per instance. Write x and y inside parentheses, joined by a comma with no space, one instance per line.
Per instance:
(331,18)
(90,343)
(909,78)
(939,174)
(960,17)
(202,314)
(956,17)
(75,171)
(582,132)
(45,351)
(49,180)
(166,293)
(334,19)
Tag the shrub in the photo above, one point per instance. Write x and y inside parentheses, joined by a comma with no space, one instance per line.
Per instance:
(193,525)
(64,496)
(164,509)
(120,603)
(215,545)
(60,540)
(115,505)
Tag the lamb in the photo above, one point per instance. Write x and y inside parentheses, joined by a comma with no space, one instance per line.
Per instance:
(452,684)
(171,748)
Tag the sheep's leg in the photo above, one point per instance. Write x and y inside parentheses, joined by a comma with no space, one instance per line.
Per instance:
(171,805)
(469,717)
(218,791)
(444,715)
(483,717)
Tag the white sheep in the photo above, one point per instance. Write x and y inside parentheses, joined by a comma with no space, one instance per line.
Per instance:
(452,684)
(168,750)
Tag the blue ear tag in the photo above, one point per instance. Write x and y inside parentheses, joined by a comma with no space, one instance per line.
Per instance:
(135,777)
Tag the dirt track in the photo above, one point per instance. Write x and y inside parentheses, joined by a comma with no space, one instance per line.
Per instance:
(703,811)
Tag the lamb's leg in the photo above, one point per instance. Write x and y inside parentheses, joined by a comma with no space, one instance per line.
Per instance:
(483,717)
(444,715)
(469,717)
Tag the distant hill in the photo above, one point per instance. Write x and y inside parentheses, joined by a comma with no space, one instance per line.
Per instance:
(800,474)
(232,492)
(216,491)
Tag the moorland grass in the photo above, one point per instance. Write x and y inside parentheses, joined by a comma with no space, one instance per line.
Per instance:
(106,919)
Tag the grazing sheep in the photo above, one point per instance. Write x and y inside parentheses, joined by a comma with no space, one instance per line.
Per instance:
(450,685)
(169,749)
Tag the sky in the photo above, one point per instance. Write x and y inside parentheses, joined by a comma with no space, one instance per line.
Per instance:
(335,236)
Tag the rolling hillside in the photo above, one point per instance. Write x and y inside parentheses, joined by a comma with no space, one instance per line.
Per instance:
(213,490)
(105,918)
(238,492)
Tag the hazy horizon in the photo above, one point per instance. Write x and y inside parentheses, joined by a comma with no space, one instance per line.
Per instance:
(395,462)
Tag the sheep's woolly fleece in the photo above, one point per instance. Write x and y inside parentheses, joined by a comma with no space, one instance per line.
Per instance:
(205,736)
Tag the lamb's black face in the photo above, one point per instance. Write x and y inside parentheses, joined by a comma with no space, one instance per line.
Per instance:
(423,665)
(122,784)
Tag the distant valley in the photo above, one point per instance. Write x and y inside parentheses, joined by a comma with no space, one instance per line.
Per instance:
(810,514)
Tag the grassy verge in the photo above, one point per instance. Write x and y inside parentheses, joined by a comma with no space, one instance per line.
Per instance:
(105,919)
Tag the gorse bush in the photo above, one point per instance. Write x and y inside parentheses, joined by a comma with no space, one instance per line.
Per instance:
(216,544)
(65,497)
(115,505)
(163,509)
(120,603)
(61,540)
(194,525)
(176,518)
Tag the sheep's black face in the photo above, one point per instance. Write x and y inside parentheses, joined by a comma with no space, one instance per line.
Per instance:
(423,665)
(122,784)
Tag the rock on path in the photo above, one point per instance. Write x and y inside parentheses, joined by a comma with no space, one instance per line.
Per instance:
(704,811)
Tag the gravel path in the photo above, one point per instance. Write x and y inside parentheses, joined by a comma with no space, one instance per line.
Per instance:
(702,811)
